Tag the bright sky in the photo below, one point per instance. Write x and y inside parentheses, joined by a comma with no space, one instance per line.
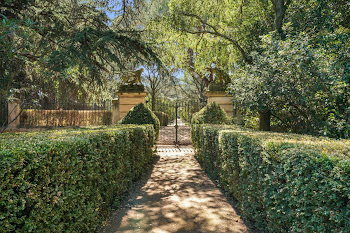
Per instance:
(111,15)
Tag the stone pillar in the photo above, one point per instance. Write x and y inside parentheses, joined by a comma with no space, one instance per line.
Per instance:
(127,100)
(222,99)
(13,111)
(115,111)
(225,101)
(238,117)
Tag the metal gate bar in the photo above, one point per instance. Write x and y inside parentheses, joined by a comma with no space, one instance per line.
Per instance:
(176,110)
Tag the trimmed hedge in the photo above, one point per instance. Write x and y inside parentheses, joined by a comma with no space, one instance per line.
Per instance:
(211,114)
(66,181)
(137,88)
(283,182)
(140,114)
(163,118)
(217,87)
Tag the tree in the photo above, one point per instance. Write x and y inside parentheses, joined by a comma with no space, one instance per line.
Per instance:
(47,46)
(232,35)
(293,81)
(155,80)
(229,28)
(67,38)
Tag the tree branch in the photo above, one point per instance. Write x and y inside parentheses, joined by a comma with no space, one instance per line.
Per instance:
(215,32)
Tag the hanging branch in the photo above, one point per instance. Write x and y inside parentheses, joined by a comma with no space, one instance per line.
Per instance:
(214,31)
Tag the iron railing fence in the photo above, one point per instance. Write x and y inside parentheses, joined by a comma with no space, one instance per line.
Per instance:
(3,103)
(180,114)
(177,108)
(3,111)
(187,109)
(60,113)
(166,106)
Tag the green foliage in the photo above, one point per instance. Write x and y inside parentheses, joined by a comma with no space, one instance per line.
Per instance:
(210,114)
(157,81)
(214,87)
(163,118)
(304,86)
(283,182)
(218,24)
(140,114)
(65,49)
(67,180)
(187,110)
(132,88)
(300,75)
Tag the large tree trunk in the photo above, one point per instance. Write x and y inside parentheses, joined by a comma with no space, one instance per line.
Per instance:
(280,7)
(153,101)
(265,120)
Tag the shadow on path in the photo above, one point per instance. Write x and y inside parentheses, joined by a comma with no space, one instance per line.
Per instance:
(177,197)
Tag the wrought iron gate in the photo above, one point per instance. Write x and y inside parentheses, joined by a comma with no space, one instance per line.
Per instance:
(3,104)
(180,114)
(3,111)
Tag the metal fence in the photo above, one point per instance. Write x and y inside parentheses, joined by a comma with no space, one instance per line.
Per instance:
(179,108)
(55,113)
(3,111)
(180,113)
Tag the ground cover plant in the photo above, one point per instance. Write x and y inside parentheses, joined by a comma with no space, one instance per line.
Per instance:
(66,180)
(283,182)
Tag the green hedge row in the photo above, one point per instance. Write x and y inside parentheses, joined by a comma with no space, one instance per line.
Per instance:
(283,182)
(163,118)
(66,181)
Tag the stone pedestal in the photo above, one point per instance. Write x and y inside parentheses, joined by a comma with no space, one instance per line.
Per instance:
(225,101)
(222,99)
(13,110)
(127,100)
(115,111)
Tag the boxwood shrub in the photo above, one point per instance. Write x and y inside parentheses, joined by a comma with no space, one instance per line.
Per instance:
(211,114)
(66,181)
(163,118)
(131,88)
(140,114)
(283,182)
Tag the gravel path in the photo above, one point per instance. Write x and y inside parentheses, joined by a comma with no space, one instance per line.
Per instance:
(177,196)
(167,135)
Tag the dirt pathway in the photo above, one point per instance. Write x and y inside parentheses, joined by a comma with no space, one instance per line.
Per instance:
(167,134)
(177,197)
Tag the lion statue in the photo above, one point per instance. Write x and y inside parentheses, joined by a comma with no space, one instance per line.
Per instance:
(217,76)
(221,77)
(132,78)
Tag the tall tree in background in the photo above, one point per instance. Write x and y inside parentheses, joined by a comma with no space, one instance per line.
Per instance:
(301,78)
(155,80)
(45,42)
(265,45)
(253,36)
(203,34)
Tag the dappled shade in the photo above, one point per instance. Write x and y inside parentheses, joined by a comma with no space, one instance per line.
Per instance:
(178,197)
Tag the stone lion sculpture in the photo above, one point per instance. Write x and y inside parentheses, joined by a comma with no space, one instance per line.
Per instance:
(221,77)
(132,78)
(217,76)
